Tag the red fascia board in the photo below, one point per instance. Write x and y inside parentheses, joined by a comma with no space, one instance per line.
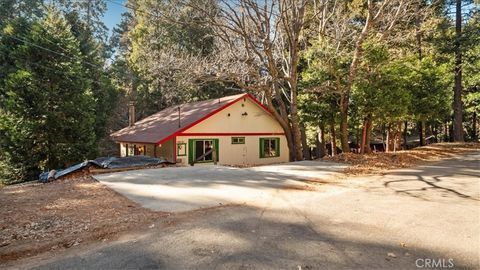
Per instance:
(259,103)
(250,96)
(233,134)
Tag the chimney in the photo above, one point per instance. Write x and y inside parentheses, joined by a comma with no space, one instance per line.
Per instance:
(131,113)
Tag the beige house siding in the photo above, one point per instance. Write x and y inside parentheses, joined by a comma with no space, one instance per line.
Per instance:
(123,150)
(231,120)
(246,119)
(239,154)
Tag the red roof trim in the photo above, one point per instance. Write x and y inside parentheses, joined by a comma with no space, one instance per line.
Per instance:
(233,134)
(259,103)
(214,112)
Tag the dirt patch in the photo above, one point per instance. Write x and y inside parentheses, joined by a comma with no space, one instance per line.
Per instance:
(380,162)
(44,217)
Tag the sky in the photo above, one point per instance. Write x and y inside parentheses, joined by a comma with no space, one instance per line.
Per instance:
(113,14)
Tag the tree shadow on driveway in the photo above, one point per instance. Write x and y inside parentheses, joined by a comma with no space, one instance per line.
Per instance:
(251,239)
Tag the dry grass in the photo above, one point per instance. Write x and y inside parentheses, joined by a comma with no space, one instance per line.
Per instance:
(376,163)
(43,217)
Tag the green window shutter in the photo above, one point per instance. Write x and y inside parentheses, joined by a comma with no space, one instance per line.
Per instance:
(215,141)
(277,144)
(262,145)
(190,151)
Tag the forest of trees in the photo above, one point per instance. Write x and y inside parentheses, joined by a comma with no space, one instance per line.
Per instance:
(336,74)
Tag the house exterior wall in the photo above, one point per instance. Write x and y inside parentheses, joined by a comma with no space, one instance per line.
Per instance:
(232,122)
(123,149)
(166,150)
(238,154)
(257,120)
(243,118)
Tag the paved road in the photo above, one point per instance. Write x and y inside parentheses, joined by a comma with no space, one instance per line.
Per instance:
(397,221)
(189,188)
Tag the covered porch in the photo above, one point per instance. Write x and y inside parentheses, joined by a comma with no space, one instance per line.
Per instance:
(166,150)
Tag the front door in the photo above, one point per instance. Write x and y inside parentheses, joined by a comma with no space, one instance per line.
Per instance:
(199,147)
(202,147)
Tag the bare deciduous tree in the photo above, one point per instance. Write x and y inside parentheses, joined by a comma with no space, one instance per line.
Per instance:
(257,48)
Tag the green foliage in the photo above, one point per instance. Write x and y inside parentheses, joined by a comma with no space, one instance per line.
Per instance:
(48,107)
(381,89)
(430,83)
(93,54)
(161,38)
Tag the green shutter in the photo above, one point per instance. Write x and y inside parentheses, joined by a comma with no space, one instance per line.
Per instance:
(277,144)
(190,151)
(215,141)
(262,145)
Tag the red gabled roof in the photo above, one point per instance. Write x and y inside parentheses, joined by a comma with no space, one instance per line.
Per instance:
(163,125)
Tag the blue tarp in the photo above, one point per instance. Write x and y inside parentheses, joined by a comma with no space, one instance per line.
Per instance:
(107,163)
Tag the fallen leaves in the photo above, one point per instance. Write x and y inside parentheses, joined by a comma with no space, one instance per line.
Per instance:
(63,214)
(380,162)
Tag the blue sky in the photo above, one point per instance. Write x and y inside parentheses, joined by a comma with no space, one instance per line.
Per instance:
(114,11)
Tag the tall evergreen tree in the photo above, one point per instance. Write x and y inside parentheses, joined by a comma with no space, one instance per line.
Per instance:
(48,113)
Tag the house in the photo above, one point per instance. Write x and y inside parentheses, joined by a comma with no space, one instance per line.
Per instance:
(233,130)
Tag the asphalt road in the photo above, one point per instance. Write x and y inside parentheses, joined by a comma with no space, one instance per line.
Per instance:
(407,219)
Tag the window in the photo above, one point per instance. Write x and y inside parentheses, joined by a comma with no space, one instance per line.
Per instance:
(269,147)
(130,150)
(181,149)
(201,148)
(140,150)
(238,140)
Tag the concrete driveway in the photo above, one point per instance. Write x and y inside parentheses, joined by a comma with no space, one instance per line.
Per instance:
(406,219)
(188,188)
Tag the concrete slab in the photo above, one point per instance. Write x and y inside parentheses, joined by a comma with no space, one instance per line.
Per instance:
(187,188)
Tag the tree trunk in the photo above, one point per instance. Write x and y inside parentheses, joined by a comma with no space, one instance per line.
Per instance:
(291,146)
(295,119)
(305,147)
(320,141)
(345,94)
(333,138)
(450,130)
(457,93)
(435,131)
(365,144)
(364,136)
(445,131)
(405,136)
(368,136)
(421,132)
(344,99)
(388,140)
(398,137)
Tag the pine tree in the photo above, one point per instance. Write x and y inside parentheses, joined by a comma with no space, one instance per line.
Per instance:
(48,110)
